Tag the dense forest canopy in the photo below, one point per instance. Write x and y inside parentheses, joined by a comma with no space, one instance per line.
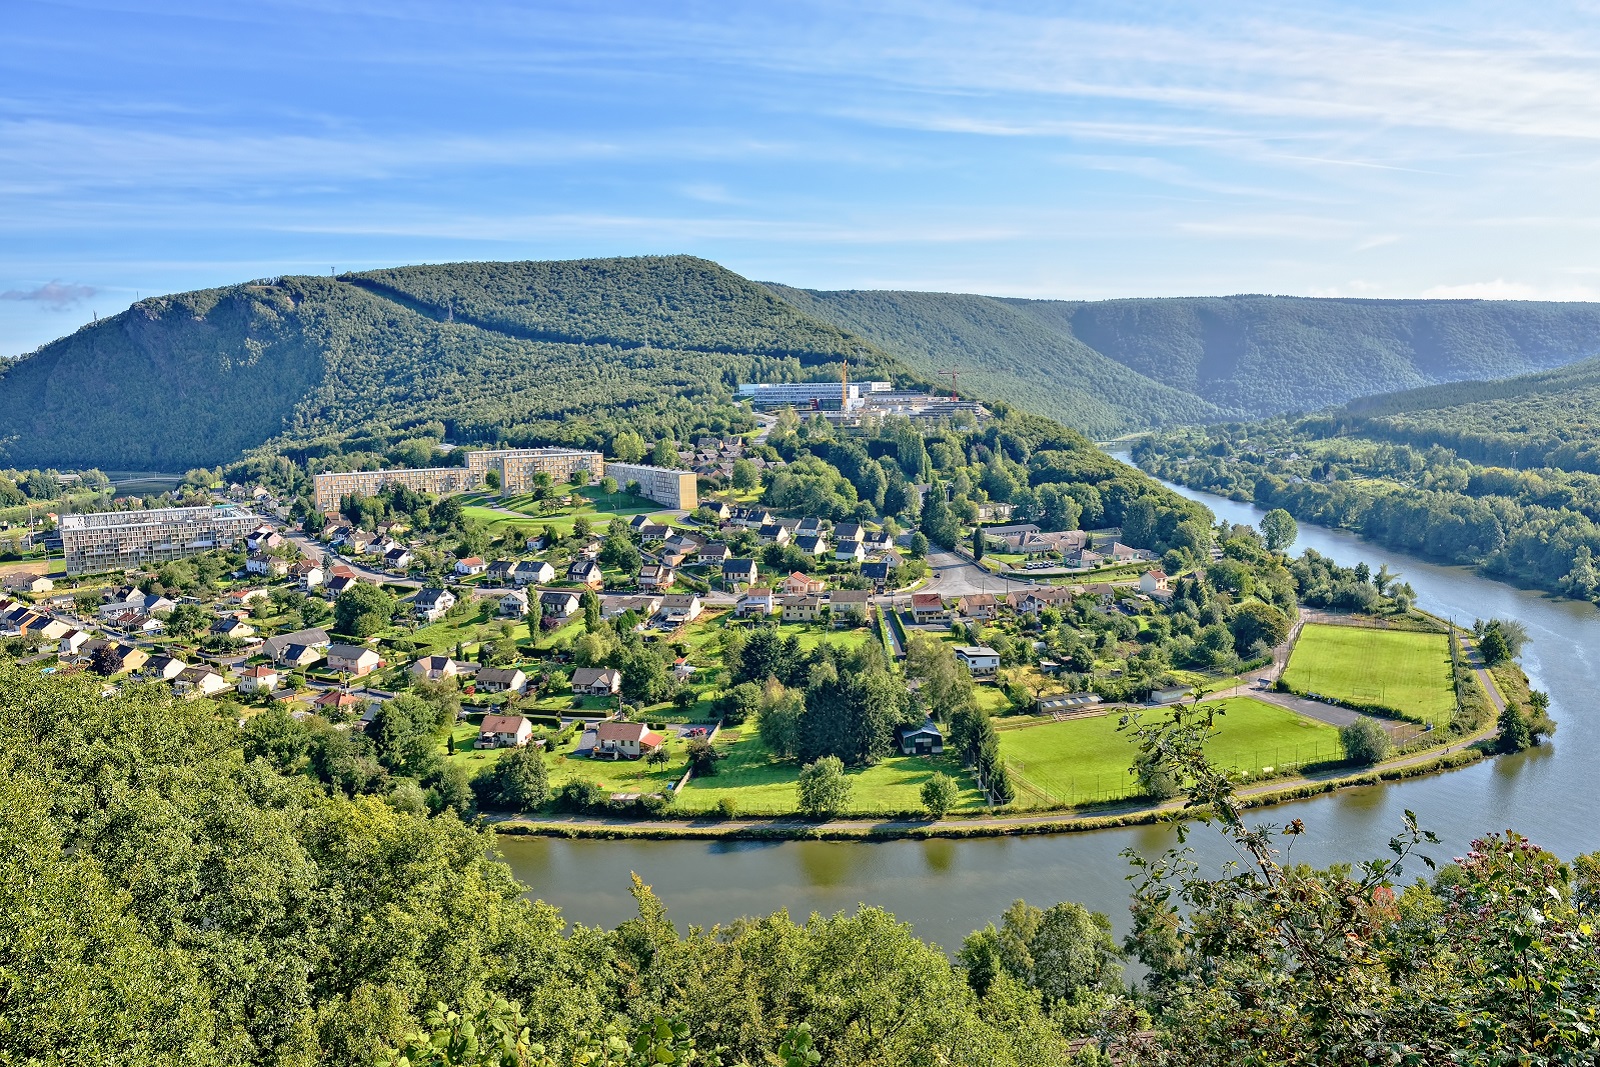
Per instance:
(1504,475)
(1005,354)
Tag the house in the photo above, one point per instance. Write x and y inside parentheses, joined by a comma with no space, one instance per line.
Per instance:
(642,606)
(850,551)
(503,731)
(775,533)
(166,668)
(267,566)
(754,518)
(928,607)
(340,582)
(28,583)
(590,549)
(536,543)
(802,608)
(848,531)
(1123,554)
(626,739)
(654,531)
(715,553)
(558,603)
(924,740)
(399,558)
(1045,596)
(72,642)
(470,566)
(798,584)
(314,638)
(235,629)
(338,704)
(298,656)
(849,606)
(879,571)
(656,576)
(811,544)
(1058,703)
(262,539)
(719,510)
(677,609)
(756,601)
(200,681)
(258,680)
(684,542)
(597,681)
(309,574)
(501,680)
(978,605)
(979,660)
(533,572)
(1083,558)
(1153,581)
(586,572)
(514,605)
(808,526)
(138,603)
(357,660)
(639,522)
(127,658)
(243,598)
(739,571)
(436,668)
(501,570)
(431,604)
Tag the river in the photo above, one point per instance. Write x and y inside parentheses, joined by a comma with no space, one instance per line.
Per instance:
(947,888)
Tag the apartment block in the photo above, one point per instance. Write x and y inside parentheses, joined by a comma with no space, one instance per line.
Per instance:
(335,486)
(666,486)
(517,466)
(822,396)
(117,540)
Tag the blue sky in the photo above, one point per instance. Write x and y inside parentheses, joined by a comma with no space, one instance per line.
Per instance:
(1071,150)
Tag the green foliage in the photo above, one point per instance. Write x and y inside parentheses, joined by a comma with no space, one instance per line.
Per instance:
(519,781)
(823,788)
(362,610)
(1365,741)
(1279,529)
(939,794)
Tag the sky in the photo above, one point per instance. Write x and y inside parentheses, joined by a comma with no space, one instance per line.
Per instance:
(1069,150)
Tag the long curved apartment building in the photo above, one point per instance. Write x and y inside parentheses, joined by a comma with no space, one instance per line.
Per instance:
(516,468)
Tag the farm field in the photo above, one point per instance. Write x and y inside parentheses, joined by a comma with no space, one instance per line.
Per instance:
(1086,760)
(1399,669)
(760,785)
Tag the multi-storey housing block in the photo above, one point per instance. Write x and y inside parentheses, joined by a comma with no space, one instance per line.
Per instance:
(665,485)
(515,468)
(114,540)
(518,466)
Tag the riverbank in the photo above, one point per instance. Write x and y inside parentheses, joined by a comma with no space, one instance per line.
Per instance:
(1433,761)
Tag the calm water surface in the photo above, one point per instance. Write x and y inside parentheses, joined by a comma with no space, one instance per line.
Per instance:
(947,888)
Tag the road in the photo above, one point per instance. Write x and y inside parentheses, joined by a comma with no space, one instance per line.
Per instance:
(953,576)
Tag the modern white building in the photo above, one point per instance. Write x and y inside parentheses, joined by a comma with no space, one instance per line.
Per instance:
(119,540)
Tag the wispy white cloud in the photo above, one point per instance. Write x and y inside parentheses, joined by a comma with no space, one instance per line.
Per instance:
(56,294)
(1500,289)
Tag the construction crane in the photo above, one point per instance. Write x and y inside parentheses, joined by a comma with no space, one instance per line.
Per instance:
(953,372)
(844,385)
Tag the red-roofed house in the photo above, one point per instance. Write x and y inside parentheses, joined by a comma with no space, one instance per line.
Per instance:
(630,739)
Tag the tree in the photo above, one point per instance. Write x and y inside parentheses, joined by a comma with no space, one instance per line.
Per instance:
(1494,647)
(919,545)
(520,781)
(823,787)
(703,757)
(663,454)
(739,703)
(185,620)
(1279,530)
(628,447)
(979,542)
(746,475)
(363,610)
(778,721)
(939,794)
(1256,625)
(1365,741)
(405,733)
(618,551)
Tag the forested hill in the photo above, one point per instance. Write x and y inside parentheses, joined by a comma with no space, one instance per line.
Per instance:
(1250,355)
(479,352)
(1003,352)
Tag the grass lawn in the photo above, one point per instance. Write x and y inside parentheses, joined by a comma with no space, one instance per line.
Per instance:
(1399,669)
(761,785)
(1087,760)
(623,775)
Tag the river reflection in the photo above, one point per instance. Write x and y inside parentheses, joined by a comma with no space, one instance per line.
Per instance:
(947,888)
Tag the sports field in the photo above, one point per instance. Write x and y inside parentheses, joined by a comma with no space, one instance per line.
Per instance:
(1086,760)
(1399,669)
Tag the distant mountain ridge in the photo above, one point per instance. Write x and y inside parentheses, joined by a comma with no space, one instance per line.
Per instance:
(564,351)
(1244,356)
